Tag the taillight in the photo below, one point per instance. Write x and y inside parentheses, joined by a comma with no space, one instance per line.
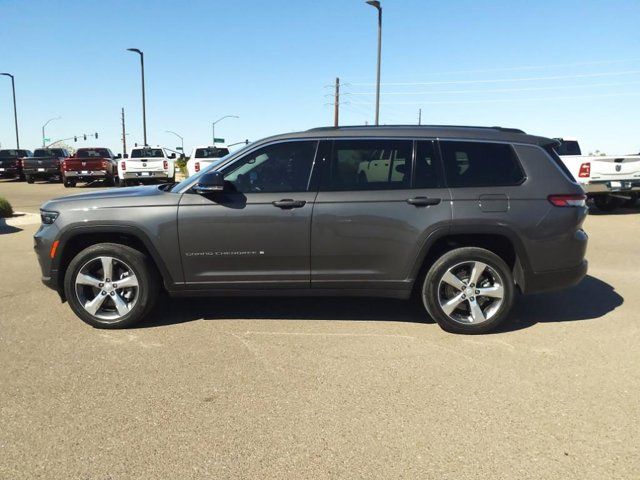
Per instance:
(197,166)
(165,164)
(123,166)
(568,200)
(585,170)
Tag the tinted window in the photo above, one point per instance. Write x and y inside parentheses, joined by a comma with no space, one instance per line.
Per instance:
(568,147)
(426,172)
(93,153)
(369,165)
(477,164)
(282,167)
(9,154)
(211,152)
(147,153)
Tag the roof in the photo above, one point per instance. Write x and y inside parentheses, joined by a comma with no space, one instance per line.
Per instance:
(422,131)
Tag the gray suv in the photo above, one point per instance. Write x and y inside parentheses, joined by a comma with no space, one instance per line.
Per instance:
(460,217)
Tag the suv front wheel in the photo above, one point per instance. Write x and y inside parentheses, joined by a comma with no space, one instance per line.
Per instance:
(111,285)
(468,290)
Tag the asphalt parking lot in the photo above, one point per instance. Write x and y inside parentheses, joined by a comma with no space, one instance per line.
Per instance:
(321,388)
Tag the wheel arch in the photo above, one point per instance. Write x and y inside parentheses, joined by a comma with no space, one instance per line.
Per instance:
(500,240)
(77,239)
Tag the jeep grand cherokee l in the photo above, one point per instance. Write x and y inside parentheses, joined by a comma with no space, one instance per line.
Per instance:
(462,217)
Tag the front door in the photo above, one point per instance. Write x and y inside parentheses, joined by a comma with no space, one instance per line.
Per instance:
(256,233)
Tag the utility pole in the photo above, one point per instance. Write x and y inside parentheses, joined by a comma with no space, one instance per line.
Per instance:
(124,136)
(419,116)
(336,104)
(15,109)
(377,6)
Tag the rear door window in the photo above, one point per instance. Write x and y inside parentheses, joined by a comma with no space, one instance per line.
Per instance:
(427,170)
(478,164)
(369,165)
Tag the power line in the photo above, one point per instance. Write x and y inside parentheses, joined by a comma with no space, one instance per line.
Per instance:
(506,80)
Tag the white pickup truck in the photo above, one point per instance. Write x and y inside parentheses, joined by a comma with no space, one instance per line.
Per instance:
(203,156)
(146,165)
(611,181)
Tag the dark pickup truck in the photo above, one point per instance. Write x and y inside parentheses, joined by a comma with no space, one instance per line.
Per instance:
(45,164)
(89,164)
(11,162)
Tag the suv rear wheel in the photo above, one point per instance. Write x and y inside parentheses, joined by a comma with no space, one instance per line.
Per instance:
(468,290)
(111,285)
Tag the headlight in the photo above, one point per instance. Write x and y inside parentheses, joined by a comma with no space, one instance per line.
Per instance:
(48,217)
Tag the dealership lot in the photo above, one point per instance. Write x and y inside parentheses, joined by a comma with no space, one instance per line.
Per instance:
(321,388)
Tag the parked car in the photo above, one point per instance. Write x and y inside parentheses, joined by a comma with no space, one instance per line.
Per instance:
(611,181)
(11,162)
(146,165)
(463,217)
(201,157)
(45,164)
(89,164)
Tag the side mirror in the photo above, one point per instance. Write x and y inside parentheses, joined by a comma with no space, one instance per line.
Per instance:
(210,182)
(172,156)
(119,156)
(126,155)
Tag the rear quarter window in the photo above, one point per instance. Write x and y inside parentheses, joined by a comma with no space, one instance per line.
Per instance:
(479,164)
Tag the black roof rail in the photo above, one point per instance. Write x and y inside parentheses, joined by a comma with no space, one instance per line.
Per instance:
(347,127)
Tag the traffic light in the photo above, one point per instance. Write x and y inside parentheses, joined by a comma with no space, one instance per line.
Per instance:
(75,139)
(85,136)
(96,134)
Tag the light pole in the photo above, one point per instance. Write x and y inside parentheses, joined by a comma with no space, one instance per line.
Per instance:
(376,4)
(180,137)
(213,126)
(15,110)
(144,106)
(47,123)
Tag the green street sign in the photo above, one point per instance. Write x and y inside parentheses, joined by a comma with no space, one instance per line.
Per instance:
(178,148)
(218,140)
(47,139)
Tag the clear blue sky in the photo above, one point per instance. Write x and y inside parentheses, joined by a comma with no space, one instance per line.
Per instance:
(562,68)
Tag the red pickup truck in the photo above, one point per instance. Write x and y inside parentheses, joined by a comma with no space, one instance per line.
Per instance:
(89,164)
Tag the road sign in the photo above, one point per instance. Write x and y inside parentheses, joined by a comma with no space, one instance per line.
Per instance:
(218,140)
(178,148)
(46,139)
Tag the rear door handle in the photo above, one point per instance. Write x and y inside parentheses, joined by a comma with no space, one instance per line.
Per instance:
(423,201)
(289,203)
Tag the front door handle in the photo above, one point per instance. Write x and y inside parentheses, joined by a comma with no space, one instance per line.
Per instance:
(289,203)
(423,201)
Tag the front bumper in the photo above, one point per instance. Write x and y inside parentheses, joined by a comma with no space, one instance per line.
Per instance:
(42,242)
(612,186)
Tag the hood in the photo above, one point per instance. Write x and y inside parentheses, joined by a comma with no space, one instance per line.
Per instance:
(151,195)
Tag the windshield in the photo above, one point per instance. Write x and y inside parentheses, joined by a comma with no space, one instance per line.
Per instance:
(92,153)
(187,181)
(211,152)
(147,153)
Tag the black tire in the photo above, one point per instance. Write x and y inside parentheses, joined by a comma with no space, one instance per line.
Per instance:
(122,182)
(29,178)
(111,180)
(606,203)
(69,183)
(143,268)
(431,289)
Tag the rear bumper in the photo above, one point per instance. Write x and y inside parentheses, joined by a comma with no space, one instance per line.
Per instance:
(146,175)
(42,172)
(612,186)
(555,279)
(9,172)
(85,175)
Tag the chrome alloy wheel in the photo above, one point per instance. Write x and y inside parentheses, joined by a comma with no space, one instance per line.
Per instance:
(107,288)
(471,292)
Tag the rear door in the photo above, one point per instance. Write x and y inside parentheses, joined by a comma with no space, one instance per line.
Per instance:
(374,211)
(255,234)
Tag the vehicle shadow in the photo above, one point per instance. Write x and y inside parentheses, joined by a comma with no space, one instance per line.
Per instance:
(591,299)
(618,211)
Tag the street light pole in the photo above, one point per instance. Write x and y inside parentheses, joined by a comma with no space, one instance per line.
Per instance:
(15,110)
(144,104)
(377,6)
(43,126)
(180,137)
(213,126)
